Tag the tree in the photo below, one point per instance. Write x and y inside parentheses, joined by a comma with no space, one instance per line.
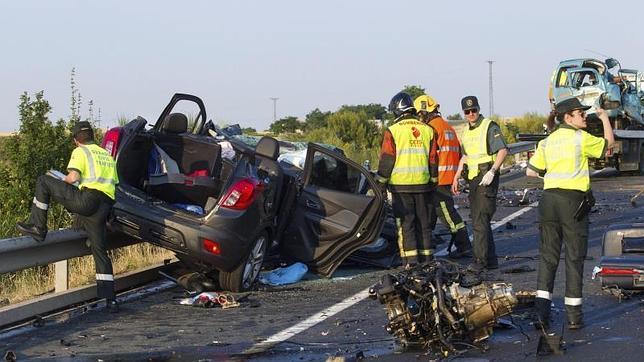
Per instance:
(414,90)
(247,130)
(372,110)
(285,125)
(455,117)
(316,119)
(39,146)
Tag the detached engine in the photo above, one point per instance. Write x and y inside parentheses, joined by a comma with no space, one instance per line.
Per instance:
(439,305)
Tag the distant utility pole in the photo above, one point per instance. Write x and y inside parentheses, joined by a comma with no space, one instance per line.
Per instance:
(491,90)
(274,99)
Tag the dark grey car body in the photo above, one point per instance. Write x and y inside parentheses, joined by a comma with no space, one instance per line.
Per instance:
(317,216)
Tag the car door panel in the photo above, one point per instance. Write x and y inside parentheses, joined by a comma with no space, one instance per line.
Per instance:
(331,218)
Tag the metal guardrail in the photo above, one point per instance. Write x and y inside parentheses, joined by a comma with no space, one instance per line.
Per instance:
(25,252)
(523,146)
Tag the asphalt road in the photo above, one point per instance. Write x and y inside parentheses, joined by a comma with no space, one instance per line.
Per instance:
(315,319)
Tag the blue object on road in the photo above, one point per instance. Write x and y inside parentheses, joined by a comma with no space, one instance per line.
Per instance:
(286,275)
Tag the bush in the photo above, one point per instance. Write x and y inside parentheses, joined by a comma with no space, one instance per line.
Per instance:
(39,146)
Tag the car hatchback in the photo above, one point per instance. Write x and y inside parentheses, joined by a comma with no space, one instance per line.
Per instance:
(220,204)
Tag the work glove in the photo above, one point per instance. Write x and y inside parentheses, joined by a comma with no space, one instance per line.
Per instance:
(487,178)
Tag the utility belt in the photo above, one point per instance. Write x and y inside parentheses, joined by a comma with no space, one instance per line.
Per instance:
(586,200)
(585,205)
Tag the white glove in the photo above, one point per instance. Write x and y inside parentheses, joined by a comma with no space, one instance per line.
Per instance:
(487,178)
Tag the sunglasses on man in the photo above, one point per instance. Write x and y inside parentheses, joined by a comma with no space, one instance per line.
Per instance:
(468,111)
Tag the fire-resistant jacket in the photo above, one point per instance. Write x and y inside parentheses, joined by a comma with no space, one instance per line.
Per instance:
(562,158)
(475,147)
(449,150)
(406,156)
(96,167)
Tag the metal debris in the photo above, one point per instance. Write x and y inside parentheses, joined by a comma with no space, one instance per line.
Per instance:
(428,306)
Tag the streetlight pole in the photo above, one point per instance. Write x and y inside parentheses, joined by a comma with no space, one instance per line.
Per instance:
(274,99)
(491,90)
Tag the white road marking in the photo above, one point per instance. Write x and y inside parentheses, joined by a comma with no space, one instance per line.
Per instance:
(307,323)
(337,308)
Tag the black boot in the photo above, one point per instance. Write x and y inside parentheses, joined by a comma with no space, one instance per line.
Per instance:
(32,230)
(575,317)
(542,313)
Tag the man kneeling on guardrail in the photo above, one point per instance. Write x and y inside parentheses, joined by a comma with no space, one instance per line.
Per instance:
(94,169)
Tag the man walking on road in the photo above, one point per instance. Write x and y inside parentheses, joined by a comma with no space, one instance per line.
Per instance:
(562,160)
(449,155)
(95,171)
(485,151)
(405,158)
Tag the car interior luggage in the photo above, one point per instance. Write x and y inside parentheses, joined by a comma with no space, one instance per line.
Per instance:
(198,160)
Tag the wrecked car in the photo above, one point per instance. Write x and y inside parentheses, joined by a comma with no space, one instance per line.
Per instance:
(619,93)
(622,261)
(220,204)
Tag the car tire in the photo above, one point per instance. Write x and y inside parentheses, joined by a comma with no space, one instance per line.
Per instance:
(242,278)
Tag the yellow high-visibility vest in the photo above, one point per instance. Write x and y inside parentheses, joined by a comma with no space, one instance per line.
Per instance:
(413,141)
(97,168)
(564,155)
(475,146)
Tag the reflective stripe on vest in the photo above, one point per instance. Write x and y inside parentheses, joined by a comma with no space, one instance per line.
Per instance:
(101,169)
(566,167)
(412,139)
(449,150)
(475,146)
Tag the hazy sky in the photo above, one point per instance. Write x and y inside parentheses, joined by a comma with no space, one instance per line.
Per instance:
(131,56)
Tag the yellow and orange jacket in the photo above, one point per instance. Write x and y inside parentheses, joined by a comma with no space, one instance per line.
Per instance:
(449,150)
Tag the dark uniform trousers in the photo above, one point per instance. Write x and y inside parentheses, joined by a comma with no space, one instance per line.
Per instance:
(482,208)
(442,205)
(411,211)
(556,210)
(93,208)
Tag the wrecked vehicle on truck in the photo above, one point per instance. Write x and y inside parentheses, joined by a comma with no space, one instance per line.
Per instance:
(220,205)
(620,94)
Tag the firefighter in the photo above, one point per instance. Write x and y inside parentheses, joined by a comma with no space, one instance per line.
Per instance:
(95,171)
(484,151)
(405,166)
(449,154)
(562,160)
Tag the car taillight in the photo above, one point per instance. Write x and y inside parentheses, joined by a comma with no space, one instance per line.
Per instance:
(619,271)
(242,194)
(111,140)
(211,246)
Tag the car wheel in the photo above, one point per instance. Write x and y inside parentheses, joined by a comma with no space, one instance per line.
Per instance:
(243,277)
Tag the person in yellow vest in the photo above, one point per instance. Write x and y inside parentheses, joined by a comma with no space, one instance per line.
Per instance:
(449,155)
(562,160)
(484,151)
(405,156)
(95,171)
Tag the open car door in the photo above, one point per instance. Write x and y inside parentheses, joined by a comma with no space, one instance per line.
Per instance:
(340,208)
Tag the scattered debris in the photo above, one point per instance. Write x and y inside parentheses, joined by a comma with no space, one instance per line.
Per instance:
(525,297)
(286,275)
(550,343)
(10,356)
(519,269)
(211,300)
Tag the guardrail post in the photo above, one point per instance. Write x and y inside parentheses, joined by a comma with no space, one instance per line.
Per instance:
(62,276)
